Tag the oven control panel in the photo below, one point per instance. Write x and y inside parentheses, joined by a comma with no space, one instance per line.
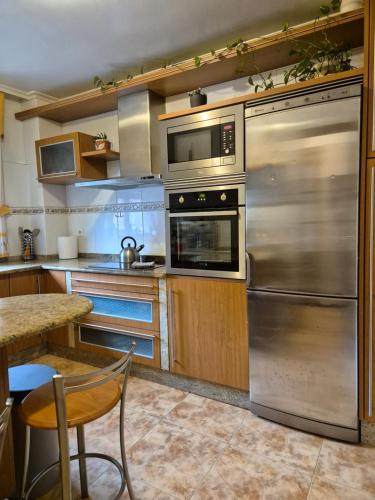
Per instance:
(198,200)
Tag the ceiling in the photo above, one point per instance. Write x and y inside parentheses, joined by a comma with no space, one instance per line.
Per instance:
(57,46)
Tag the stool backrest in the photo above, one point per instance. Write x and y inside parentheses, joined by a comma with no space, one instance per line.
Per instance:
(4,422)
(65,385)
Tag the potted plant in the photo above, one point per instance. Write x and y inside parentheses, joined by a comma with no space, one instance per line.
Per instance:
(318,59)
(197,98)
(101,142)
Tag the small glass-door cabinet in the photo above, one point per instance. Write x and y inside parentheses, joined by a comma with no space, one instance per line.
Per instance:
(60,160)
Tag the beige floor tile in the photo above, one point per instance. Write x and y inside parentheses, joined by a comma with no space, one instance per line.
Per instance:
(207,417)
(95,468)
(153,398)
(102,435)
(276,442)
(244,476)
(173,459)
(351,465)
(108,484)
(64,366)
(322,490)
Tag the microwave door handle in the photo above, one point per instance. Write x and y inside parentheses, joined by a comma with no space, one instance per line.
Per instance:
(204,214)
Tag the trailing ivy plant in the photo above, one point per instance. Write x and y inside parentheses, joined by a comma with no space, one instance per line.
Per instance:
(266,82)
(319,58)
(312,55)
(315,58)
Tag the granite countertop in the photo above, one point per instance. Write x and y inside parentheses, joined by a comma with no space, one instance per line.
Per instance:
(79,265)
(28,315)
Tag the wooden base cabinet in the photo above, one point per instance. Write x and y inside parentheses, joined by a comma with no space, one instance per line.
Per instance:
(208,330)
(24,283)
(55,282)
(368,367)
(369,55)
(125,310)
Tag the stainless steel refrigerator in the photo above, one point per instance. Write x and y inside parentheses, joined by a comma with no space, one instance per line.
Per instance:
(302,185)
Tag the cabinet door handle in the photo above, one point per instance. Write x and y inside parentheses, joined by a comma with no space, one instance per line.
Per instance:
(115,296)
(136,285)
(171,325)
(38,284)
(248,270)
(370,302)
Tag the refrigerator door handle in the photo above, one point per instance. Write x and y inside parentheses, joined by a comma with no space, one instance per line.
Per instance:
(370,333)
(248,270)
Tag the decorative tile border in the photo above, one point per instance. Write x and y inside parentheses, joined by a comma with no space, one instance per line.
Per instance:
(89,209)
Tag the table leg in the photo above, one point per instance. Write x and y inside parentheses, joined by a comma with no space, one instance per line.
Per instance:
(7,476)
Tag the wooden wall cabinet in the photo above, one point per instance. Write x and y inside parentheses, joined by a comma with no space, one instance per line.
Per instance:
(208,335)
(60,161)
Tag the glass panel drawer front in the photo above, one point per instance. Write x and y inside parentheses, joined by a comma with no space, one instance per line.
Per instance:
(130,309)
(117,341)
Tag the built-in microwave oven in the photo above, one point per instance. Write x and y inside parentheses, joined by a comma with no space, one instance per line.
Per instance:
(203,144)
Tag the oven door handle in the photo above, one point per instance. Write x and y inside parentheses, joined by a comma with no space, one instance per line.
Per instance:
(221,213)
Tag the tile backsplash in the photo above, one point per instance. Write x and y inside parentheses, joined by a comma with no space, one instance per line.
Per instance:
(106,217)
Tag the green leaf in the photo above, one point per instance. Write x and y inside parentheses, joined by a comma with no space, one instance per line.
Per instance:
(285,27)
(197,61)
(325,10)
(335,5)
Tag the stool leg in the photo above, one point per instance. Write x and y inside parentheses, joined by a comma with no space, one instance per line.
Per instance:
(66,492)
(123,453)
(82,461)
(26,461)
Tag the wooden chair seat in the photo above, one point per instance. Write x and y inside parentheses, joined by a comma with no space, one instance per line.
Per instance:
(38,409)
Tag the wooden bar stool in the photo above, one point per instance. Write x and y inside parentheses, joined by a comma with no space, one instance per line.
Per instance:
(73,402)
(4,422)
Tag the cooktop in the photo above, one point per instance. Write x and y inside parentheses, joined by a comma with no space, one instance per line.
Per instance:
(118,265)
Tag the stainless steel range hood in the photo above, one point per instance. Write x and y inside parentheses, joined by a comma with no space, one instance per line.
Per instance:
(139,142)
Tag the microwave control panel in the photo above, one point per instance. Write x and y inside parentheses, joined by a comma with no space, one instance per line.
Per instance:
(227,138)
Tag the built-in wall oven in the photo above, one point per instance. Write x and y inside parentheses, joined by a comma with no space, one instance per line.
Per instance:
(205,229)
(203,144)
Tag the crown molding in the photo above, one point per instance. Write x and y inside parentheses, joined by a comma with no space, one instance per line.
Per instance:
(26,96)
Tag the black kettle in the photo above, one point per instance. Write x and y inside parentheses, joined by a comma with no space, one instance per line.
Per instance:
(129,254)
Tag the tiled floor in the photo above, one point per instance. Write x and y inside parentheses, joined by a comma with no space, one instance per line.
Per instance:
(182,446)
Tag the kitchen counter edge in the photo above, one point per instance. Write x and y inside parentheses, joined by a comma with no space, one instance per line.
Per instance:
(76,265)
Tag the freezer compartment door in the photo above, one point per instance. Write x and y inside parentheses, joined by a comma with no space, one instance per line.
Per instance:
(302,198)
(303,356)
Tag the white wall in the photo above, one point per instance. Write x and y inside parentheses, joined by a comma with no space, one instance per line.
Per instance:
(101,218)
(23,193)
(101,231)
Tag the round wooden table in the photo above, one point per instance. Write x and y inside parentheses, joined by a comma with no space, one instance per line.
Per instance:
(24,316)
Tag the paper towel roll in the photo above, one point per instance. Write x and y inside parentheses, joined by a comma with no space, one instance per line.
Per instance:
(67,247)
